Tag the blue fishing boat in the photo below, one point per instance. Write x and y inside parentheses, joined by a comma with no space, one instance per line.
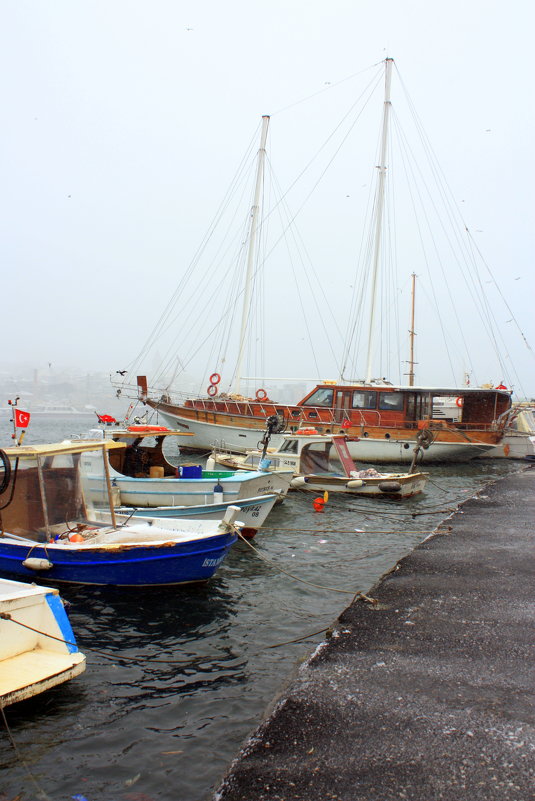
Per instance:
(52,530)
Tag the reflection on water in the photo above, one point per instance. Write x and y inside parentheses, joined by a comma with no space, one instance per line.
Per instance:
(177,678)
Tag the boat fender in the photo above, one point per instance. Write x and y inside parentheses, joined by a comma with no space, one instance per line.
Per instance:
(210,463)
(298,481)
(146,429)
(32,563)
(390,486)
(355,483)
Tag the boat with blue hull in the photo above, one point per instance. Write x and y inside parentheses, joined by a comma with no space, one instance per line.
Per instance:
(119,563)
(51,529)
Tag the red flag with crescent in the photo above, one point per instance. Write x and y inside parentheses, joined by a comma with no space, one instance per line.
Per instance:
(22,419)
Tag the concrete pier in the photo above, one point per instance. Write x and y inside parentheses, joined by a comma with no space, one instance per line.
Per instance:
(426,694)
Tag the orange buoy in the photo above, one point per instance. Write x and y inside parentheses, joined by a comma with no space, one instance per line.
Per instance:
(318,504)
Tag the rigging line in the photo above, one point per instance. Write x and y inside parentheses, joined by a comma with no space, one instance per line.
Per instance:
(508,377)
(299,244)
(204,241)
(361,280)
(372,86)
(406,163)
(207,281)
(491,320)
(528,346)
(40,792)
(327,88)
(446,190)
(234,265)
(215,290)
(291,575)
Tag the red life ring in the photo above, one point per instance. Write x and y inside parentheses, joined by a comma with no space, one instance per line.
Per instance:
(459,402)
(261,394)
(147,428)
(215,378)
(212,390)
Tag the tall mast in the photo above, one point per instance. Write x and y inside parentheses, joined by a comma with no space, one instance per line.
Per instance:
(251,253)
(412,332)
(379,212)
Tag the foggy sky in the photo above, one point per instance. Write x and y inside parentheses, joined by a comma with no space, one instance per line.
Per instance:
(122,123)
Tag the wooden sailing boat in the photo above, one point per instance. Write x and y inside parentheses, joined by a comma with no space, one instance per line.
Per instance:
(388,420)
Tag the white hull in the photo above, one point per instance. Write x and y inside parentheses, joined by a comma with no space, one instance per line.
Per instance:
(253,511)
(515,445)
(155,492)
(409,485)
(376,451)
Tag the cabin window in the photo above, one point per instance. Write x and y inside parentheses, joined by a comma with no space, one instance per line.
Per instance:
(391,401)
(289,446)
(364,400)
(321,397)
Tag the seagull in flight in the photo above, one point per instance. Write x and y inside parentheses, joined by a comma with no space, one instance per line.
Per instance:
(121,372)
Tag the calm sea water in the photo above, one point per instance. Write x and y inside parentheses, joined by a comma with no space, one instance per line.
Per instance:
(177,678)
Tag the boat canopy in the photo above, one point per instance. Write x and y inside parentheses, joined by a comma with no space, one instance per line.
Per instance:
(61,448)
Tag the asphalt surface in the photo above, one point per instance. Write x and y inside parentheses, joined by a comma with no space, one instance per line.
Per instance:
(427,694)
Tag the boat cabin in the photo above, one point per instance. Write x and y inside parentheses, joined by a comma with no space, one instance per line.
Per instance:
(43,490)
(404,407)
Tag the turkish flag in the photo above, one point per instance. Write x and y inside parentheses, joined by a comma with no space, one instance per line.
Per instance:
(21,418)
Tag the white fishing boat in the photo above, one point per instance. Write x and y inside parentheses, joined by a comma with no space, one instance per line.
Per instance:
(323,463)
(141,476)
(252,512)
(37,645)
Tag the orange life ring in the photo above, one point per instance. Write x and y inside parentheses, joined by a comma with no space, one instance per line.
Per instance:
(215,378)
(261,394)
(212,390)
(459,402)
(147,429)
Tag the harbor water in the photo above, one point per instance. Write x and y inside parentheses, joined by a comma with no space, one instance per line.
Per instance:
(176,678)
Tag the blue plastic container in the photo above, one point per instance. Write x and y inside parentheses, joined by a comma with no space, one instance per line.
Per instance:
(191,471)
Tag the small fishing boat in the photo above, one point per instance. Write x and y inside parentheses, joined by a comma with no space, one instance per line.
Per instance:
(37,645)
(323,463)
(141,475)
(52,527)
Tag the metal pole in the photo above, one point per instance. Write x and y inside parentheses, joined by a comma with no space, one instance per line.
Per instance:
(379,213)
